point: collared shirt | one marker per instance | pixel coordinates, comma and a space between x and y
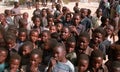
86, 22
103, 68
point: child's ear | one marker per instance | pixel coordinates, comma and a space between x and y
64, 53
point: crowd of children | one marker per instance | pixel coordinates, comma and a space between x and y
58, 40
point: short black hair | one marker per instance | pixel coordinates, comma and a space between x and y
22, 30
71, 39
38, 52
100, 30
33, 30
83, 57
28, 43
4, 49
15, 56
46, 31
35, 17
97, 53
84, 34
10, 36
60, 45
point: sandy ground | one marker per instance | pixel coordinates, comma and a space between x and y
93, 6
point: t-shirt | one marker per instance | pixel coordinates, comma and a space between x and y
2, 67
62, 67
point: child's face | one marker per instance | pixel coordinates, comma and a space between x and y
59, 27
59, 54
3, 56
45, 37
65, 33
109, 30
71, 47
76, 20
44, 12
10, 43
82, 65
83, 43
97, 62
53, 29
25, 15
37, 6
107, 22
34, 36
68, 18
37, 22
22, 36
26, 50
14, 64
50, 21
97, 37
35, 60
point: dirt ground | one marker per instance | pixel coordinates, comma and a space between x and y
92, 5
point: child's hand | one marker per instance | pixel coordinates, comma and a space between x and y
52, 62
73, 28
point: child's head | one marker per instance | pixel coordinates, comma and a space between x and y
50, 20
34, 35
13, 29
10, 40
53, 29
22, 35
37, 21
76, 19
50, 44
77, 3
68, 17
16, 4
37, 6
99, 12
65, 33
35, 58
96, 59
83, 41
26, 48
15, 61
105, 21
84, 12
59, 52
70, 45
55, 36
115, 66
2, 17
83, 62
59, 27
23, 23
44, 12
98, 35
25, 15
109, 29
58, 6
7, 12
45, 35
3, 55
